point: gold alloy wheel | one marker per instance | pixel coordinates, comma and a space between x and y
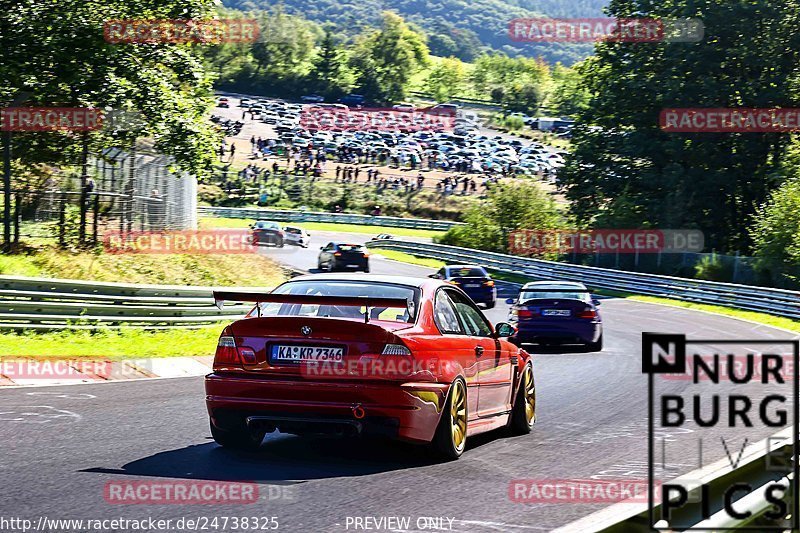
530, 394
458, 415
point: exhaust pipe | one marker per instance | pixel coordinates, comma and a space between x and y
358, 412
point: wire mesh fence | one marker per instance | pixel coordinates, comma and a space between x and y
123, 191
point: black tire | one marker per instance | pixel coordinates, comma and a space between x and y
443, 444
280, 243
239, 439
366, 269
595, 346
523, 414
490, 305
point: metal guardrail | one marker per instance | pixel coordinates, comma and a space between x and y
778, 302
287, 215
754, 468
38, 303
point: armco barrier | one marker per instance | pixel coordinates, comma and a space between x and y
630, 517
773, 301
286, 215
37, 303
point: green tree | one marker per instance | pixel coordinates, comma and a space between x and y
386, 59
497, 70
285, 45
446, 79
776, 230
56, 52
709, 181
330, 75
509, 206
567, 95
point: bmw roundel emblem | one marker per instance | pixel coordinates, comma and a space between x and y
305, 330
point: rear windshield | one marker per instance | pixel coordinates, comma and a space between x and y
268, 225
351, 248
343, 288
294, 231
542, 294
468, 272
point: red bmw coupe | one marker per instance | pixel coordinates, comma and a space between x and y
408, 358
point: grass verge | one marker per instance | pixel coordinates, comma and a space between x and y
110, 344
168, 269
210, 222
408, 258
172, 269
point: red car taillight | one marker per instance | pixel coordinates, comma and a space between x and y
226, 354
489, 283
524, 313
588, 314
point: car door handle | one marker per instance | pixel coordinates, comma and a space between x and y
479, 351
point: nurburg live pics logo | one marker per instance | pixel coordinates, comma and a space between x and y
744, 399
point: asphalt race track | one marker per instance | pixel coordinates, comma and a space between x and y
62, 444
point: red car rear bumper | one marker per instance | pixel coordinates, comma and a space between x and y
408, 411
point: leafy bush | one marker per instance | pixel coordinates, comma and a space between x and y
508, 207
712, 268
514, 123
776, 228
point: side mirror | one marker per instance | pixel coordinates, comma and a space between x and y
510, 301
321, 247
434, 276
595, 301
504, 329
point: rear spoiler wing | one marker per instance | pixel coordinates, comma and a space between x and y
354, 301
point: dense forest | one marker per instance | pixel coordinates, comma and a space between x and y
452, 27
385, 63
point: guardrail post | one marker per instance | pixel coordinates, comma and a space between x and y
62, 219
